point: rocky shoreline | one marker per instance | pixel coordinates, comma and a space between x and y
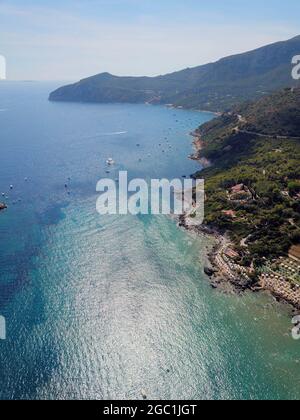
199, 145
229, 281
219, 278
222, 272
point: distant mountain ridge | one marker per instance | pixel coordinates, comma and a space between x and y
214, 86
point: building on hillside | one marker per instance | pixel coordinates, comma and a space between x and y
229, 213
238, 188
230, 253
240, 193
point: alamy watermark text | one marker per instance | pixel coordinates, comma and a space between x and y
156, 197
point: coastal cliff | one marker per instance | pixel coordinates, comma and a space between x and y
253, 194
214, 86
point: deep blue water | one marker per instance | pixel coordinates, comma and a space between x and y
117, 306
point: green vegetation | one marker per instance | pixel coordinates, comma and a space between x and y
215, 86
268, 211
256, 145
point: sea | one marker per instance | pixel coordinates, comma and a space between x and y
118, 307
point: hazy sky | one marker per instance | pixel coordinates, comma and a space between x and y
72, 39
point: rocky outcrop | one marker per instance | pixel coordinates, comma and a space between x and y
243, 77
3, 206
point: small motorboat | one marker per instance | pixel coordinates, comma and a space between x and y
110, 162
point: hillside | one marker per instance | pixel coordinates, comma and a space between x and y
253, 185
278, 114
216, 86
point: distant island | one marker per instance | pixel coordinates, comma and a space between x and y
214, 87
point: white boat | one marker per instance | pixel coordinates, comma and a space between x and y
110, 161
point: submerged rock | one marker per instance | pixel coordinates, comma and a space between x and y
3, 206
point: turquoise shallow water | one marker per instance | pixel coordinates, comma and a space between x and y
110, 307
